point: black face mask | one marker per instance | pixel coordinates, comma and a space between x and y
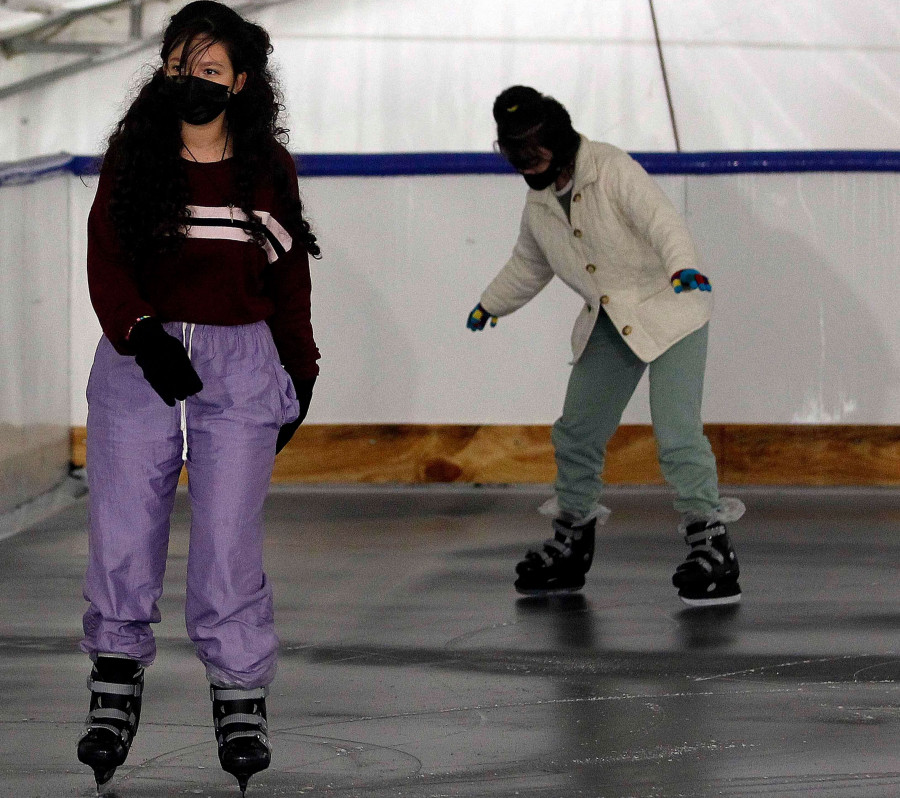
541, 180
558, 163
195, 100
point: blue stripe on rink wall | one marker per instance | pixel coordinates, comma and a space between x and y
656, 163
482, 163
401, 163
34, 169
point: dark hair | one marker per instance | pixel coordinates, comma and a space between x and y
527, 120
148, 203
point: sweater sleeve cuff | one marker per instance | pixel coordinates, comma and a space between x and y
302, 371
137, 321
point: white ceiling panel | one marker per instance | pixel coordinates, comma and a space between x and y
783, 99
14, 22
576, 20
820, 23
418, 75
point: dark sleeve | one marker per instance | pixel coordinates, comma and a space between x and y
111, 281
289, 286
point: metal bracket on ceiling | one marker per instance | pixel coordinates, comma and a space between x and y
40, 40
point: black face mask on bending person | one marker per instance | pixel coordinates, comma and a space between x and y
558, 164
195, 100
541, 180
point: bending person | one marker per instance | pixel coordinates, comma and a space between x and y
595, 219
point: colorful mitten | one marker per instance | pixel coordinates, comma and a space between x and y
688, 280
478, 319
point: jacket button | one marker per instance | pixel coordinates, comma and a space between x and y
626, 330
604, 300
576, 198
591, 268
577, 233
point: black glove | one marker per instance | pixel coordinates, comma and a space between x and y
164, 361
304, 389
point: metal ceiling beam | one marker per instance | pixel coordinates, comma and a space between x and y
52, 75
82, 48
136, 21
110, 54
56, 22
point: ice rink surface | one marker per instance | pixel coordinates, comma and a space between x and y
409, 667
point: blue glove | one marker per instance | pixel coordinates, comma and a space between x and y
688, 280
478, 319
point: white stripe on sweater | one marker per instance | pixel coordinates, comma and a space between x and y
228, 233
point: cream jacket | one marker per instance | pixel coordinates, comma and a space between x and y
623, 243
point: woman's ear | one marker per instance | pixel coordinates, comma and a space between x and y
239, 82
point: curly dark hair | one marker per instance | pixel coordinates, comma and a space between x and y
148, 203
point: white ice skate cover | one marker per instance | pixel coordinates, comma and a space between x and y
550, 508
729, 509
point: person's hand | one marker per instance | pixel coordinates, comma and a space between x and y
688, 280
478, 319
164, 361
304, 389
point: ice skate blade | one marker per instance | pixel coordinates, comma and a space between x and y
720, 601
244, 764
243, 779
553, 591
103, 778
244, 774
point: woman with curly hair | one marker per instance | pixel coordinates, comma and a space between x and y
199, 274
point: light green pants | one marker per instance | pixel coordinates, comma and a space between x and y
600, 386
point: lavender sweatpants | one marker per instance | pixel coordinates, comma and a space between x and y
134, 456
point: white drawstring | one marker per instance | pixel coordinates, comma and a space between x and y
187, 340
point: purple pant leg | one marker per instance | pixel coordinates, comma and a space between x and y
232, 426
133, 462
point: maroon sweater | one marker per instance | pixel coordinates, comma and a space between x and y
218, 276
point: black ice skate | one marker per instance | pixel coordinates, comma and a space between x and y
241, 731
709, 574
560, 564
116, 685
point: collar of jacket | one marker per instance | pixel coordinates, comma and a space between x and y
585, 173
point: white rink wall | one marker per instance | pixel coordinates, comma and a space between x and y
35, 249
804, 270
